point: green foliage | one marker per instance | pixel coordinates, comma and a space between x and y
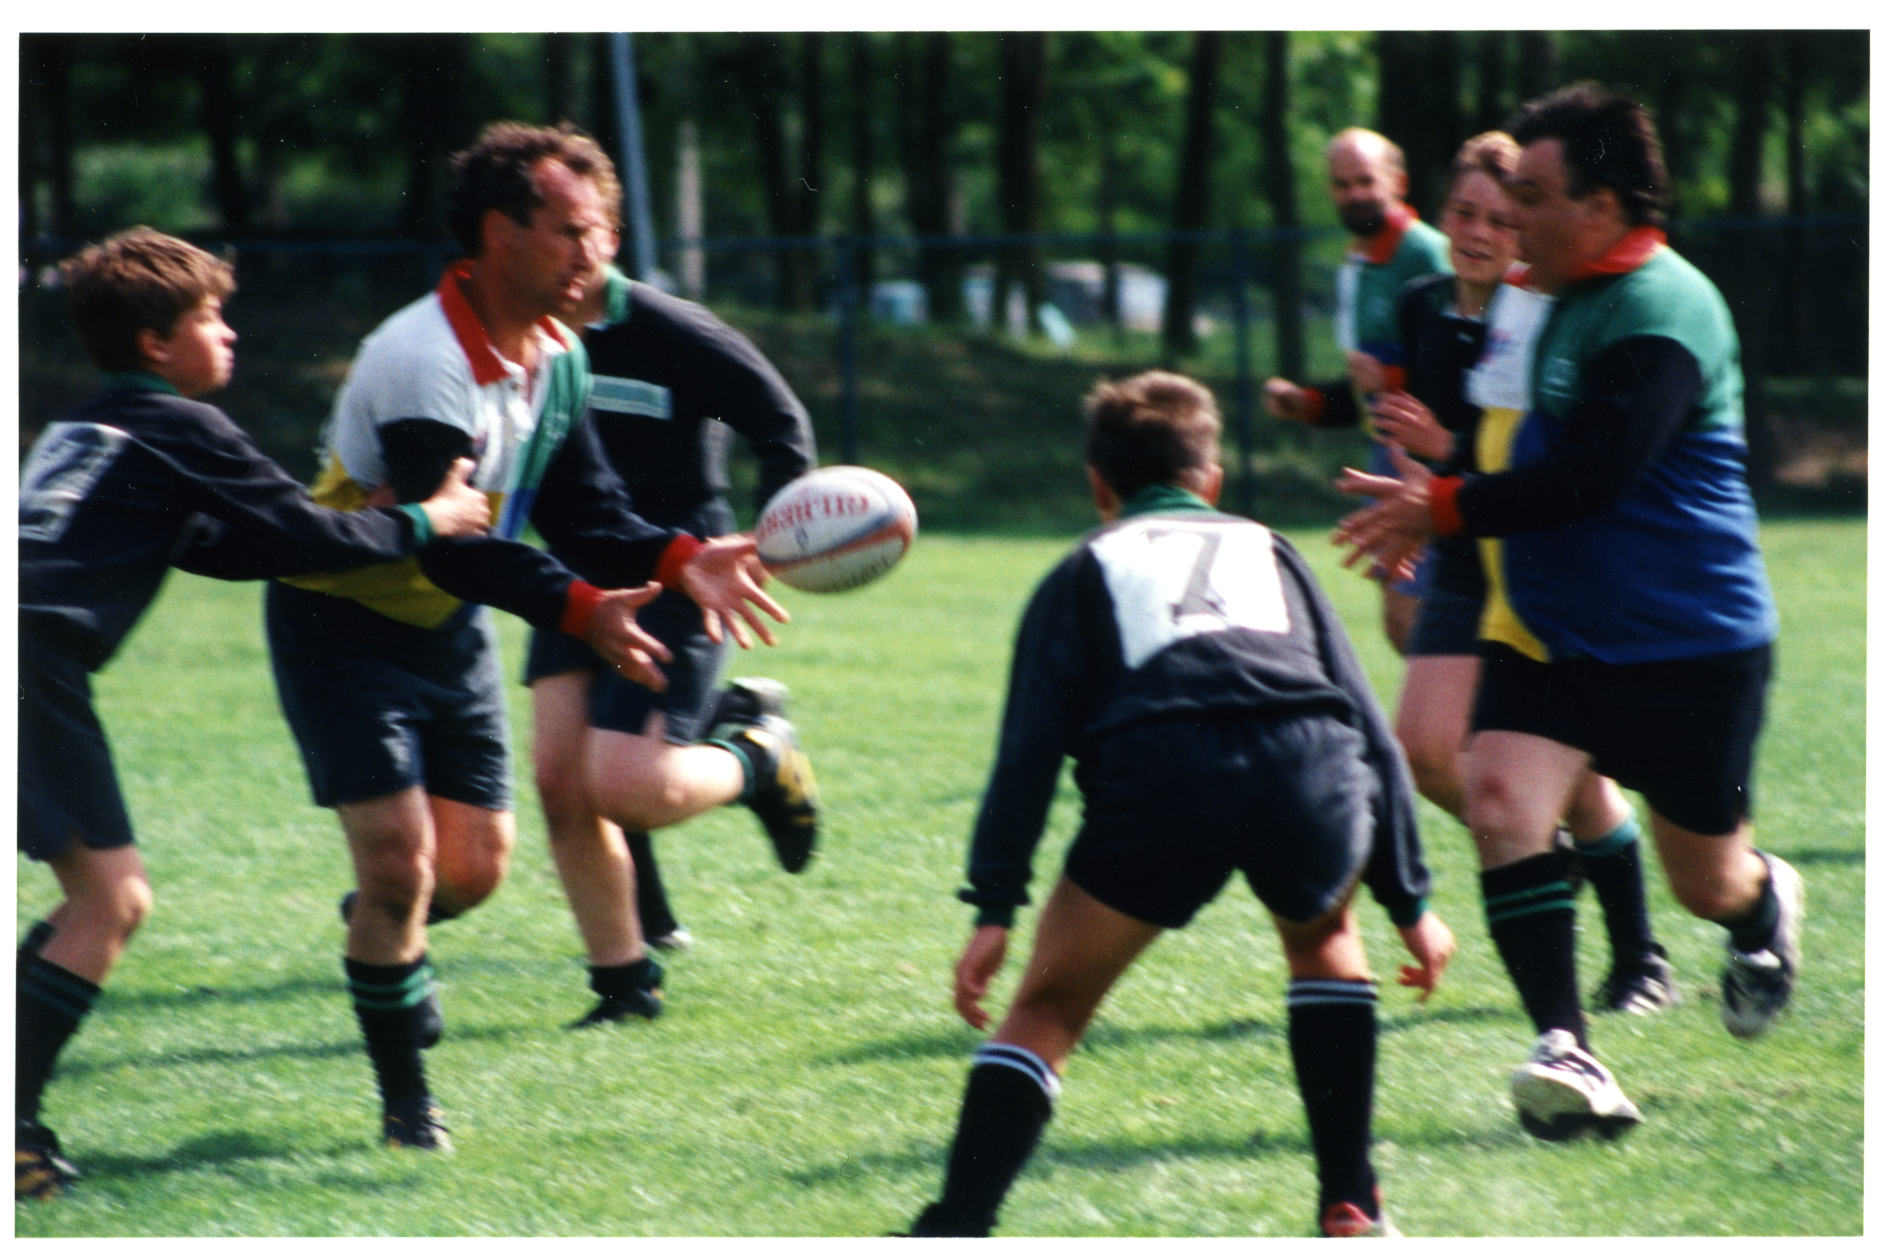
805, 1077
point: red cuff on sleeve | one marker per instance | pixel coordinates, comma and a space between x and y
1447, 519
582, 598
1315, 403
683, 549
1395, 378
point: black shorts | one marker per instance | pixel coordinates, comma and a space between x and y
618, 704
1682, 733
1172, 809
68, 788
379, 706
1447, 621
692, 677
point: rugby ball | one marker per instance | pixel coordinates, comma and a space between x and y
835, 528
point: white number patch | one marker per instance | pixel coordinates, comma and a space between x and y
1170, 580
66, 462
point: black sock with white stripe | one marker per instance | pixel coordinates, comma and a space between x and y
49, 1003
1531, 908
1010, 1096
1332, 1032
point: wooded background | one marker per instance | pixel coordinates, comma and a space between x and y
792, 172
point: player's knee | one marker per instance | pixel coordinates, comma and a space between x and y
1435, 772
129, 904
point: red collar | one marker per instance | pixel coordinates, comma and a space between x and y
1379, 249
1638, 246
487, 363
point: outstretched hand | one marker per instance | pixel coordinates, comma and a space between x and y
727, 581
1398, 523
614, 634
981, 960
1430, 941
1402, 419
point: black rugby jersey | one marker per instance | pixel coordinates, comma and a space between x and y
672, 385
138, 480
1176, 610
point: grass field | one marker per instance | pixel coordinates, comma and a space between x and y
806, 1074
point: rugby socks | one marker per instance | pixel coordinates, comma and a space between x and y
1010, 1095
752, 759
390, 1005
49, 1004
1613, 864
1332, 1032
625, 983
649, 893
1756, 929
1530, 907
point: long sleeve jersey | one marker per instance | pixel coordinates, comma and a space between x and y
1616, 495
140, 479
427, 387
673, 384
1177, 611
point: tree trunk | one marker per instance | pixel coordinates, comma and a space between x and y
924, 112
764, 72
1289, 317
1751, 297
1107, 196
1795, 51
219, 114
1024, 66
863, 165
1193, 196
805, 195
561, 97
1536, 64
435, 69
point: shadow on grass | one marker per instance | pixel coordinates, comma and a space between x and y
204, 993
198, 1057
220, 1150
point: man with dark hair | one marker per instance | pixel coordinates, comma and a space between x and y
111, 498
1219, 721
388, 676
1367, 180
1631, 623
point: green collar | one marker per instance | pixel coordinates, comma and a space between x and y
618, 285
142, 380
1164, 498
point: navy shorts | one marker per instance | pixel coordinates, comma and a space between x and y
68, 789
1682, 733
618, 704
1172, 809
1448, 617
379, 706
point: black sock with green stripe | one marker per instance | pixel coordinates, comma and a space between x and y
1613, 864
1530, 907
49, 1004
389, 1006
1332, 1032
752, 758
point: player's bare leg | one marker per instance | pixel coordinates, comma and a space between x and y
589, 856
647, 782
1518, 786
392, 844
1397, 611
107, 898
1082, 946
1432, 720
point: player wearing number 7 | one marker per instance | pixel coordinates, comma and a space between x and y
1219, 721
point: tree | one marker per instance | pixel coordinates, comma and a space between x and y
1024, 71
927, 125
1282, 193
1193, 196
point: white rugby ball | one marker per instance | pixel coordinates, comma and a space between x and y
835, 528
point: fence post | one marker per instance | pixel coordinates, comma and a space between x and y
1243, 370
845, 284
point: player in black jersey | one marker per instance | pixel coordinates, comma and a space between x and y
1219, 721
1421, 405
137, 480
613, 760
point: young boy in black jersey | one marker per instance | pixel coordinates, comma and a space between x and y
1219, 721
111, 497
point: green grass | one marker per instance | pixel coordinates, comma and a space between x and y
805, 1077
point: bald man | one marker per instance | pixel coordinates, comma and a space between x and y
1365, 175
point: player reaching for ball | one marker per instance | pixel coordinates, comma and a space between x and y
111, 498
389, 676
1219, 721
615, 760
